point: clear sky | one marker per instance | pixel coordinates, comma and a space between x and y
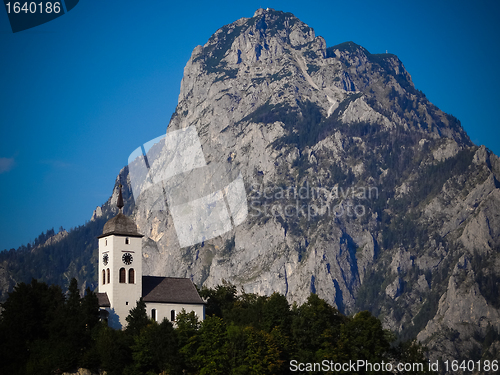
80, 93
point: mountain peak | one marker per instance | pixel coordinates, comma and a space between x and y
274, 59
261, 11
267, 34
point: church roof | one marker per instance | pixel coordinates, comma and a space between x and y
169, 290
103, 300
121, 225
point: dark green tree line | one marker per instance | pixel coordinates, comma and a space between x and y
44, 331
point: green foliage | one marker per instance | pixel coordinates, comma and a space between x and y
137, 318
42, 332
155, 349
253, 351
220, 300
246, 309
112, 347
310, 321
412, 351
211, 355
276, 313
362, 338
187, 339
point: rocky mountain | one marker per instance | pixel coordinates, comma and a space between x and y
358, 188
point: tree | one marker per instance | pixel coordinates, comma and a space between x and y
187, 339
90, 310
310, 321
220, 299
113, 349
411, 351
262, 355
137, 319
41, 331
155, 349
211, 355
25, 326
276, 313
363, 338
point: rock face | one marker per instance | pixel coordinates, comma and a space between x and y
390, 206
358, 188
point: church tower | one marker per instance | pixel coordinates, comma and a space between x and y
120, 267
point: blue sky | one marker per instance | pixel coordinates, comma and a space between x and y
80, 93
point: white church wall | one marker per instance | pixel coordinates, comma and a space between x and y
164, 310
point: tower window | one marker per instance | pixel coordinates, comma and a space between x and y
126, 241
106, 242
122, 275
172, 315
109, 278
103, 277
131, 276
153, 314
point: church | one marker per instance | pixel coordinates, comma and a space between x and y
122, 284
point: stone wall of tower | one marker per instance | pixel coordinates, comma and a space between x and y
123, 296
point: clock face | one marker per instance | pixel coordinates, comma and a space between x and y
127, 258
105, 259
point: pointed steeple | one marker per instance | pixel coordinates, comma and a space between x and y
120, 224
119, 202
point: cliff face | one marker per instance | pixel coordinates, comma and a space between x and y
357, 187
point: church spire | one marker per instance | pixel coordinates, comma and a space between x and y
119, 202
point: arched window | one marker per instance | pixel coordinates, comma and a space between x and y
122, 275
109, 278
153, 314
126, 241
103, 277
172, 315
131, 276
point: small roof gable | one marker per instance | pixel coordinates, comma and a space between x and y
169, 290
103, 300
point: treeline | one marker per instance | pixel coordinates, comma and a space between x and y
53, 262
42, 331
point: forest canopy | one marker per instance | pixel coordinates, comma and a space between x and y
46, 331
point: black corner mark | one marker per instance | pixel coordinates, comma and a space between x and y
27, 14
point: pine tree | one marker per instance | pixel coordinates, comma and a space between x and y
137, 319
